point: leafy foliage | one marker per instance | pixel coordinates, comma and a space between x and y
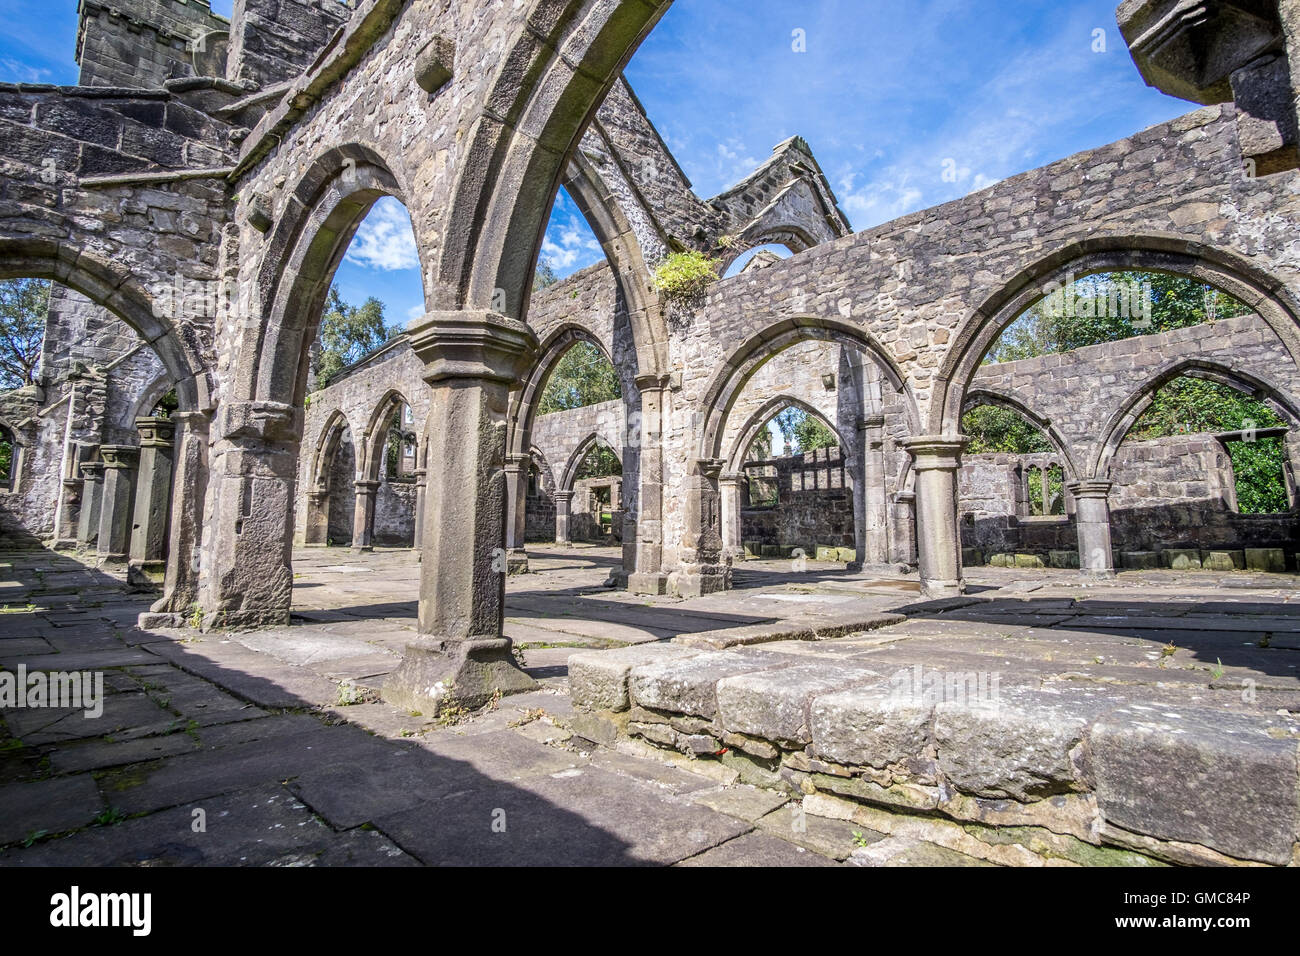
683, 276
6, 457
1259, 467
1055, 491
582, 377
1188, 405
1109, 307
349, 333
994, 429
544, 275
599, 462
23, 303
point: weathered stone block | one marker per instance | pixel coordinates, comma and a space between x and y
1223, 560
869, 727
688, 685
970, 557
1265, 559
1200, 776
827, 554
1028, 561
773, 705
1141, 560
1182, 560
1063, 559
847, 555
598, 679
434, 64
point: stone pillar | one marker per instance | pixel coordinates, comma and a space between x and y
317, 532
873, 539
517, 467
733, 501
92, 497
649, 576
115, 507
189, 492
247, 561
935, 460
152, 501
705, 568
363, 516
65, 535
903, 544
421, 483
461, 656
1092, 525
563, 502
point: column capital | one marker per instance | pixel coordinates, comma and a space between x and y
477, 345
708, 467
733, 477
935, 451
155, 432
92, 470
119, 457
1090, 488
871, 421
565, 496
365, 486
651, 383
518, 463
252, 423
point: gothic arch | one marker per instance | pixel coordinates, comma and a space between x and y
374, 437
986, 396
756, 421
304, 251
737, 370
1122, 419
523, 408
109, 285
570, 473
1266, 295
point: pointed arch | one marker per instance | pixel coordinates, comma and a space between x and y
570, 473
756, 422
375, 437
1117, 428
1267, 296
986, 396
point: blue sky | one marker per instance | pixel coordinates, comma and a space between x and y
906, 103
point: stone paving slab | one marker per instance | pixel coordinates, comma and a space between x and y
758, 849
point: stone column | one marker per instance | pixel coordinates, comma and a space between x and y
517, 467
317, 532
65, 535
936, 459
247, 561
873, 547
92, 497
115, 507
152, 501
363, 516
421, 484
461, 656
733, 501
1092, 525
189, 491
563, 502
903, 544
649, 576
705, 568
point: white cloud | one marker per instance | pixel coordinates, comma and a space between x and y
568, 243
15, 72
385, 240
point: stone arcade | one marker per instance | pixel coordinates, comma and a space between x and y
192, 197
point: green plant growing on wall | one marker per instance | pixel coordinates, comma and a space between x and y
683, 276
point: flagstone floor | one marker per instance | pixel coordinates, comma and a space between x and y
272, 747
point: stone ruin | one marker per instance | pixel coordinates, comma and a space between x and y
192, 196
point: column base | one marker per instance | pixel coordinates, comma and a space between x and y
64, 544
517, 562
689, 584
1089, 575
437, 673
146, 574
111, 560
363, 548
654, 582
943, 589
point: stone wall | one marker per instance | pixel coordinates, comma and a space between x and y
814, 507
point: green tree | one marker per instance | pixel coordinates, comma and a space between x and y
582, 376
544, 275
1108, 307
23, 304
1188, 405
599, 462
994, 429
348, 334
